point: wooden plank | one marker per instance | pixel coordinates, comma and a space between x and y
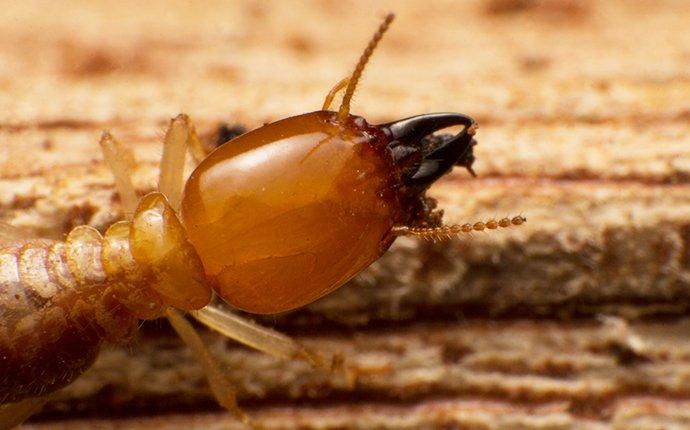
575, 320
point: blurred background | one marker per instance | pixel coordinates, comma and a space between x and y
577, 320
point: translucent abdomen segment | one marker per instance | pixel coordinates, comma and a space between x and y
54, 310
58, 300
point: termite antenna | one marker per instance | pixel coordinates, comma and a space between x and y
344, 110
446, 231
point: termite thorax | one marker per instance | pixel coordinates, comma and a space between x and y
150, 263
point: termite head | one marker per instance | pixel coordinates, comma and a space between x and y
314, 197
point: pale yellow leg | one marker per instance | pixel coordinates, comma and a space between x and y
13, 414
253, 335
266, 340
180, 137
195, 147
219, 383
121, 163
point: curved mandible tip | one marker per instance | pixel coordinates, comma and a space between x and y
412, 130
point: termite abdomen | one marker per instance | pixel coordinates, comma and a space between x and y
52, 319
58, 300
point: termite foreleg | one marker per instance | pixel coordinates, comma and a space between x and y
121, 164
219, 383
180, 137
266, 340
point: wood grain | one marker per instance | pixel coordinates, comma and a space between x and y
576, 320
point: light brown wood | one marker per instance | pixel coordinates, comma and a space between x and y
578, 319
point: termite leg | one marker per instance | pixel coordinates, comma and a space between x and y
195, 146
268, 341
13, 414
446, 231
179, 137
121, 163
219, 383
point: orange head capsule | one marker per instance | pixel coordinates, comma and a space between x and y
290, 211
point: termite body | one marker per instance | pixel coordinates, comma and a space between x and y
270, 221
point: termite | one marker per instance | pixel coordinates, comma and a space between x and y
270, 221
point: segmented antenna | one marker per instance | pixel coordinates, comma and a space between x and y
447, 231
344, 110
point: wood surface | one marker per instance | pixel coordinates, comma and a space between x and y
576, 320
